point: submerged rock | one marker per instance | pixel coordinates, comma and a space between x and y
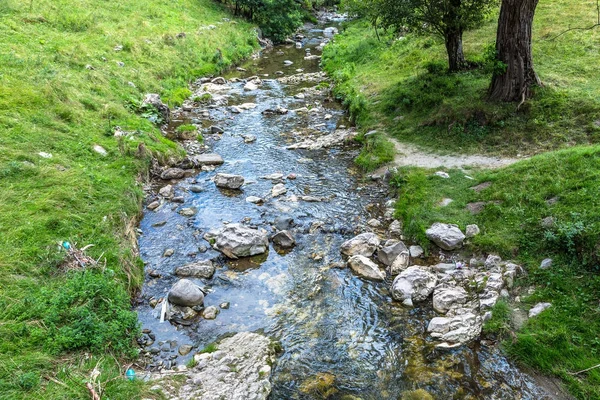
229, 181
200, 269
236, 240
186, 293
364, 244
365, 268
446, 236
413, 285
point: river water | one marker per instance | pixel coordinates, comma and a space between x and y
332, 325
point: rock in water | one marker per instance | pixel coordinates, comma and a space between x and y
172, 173
278, 190
210, 312
229, 181
458, 329
413, 285
186, 293
388, 254
200, 269
207, 159
236, 240
364, 244
446, 236
284, 239
366, 268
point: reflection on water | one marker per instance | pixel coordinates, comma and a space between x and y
342, 336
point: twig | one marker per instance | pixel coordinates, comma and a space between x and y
582, 29
92, 391
584, 370
56, 381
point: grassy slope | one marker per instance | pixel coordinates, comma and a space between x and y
50, 102
400, 86
565, 338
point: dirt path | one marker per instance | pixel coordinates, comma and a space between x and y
411, 155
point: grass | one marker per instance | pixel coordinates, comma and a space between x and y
401, 86
71, 72
561, 187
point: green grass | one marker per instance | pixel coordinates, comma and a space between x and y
564, 338
401, 86
62, 91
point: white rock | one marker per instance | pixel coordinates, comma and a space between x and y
446, 236
388, 254
365, 268
100, 150
250, 86
442, 174
364, 244
199, 269
538, 308
278, 190
472, 231
458, 329
415, 251
254, 199
546, 263
413, 285
236, 240
44, 154
446, 297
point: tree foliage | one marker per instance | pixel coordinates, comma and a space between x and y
446, 18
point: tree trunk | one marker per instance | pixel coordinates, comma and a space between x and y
454, 48
513, 46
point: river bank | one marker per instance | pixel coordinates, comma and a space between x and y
75, 142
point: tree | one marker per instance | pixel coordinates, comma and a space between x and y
447, 18
513, 49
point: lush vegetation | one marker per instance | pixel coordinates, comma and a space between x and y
543, 207
277, 19
71, 72
400, 86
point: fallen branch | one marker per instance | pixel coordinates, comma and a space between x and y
93, 393
584, 370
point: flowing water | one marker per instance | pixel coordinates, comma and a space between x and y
332, 325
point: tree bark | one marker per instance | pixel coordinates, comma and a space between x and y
454, 48
513, 47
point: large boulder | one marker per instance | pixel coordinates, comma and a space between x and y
236, 240
446, 236
446, 297
413, 285
200, 269
229, 181
364, 244
186, 293
458, 329
388, 254
365, 268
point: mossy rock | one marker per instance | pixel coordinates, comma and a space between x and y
321, 386
419, 394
